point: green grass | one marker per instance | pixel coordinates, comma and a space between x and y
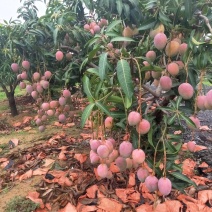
18, 92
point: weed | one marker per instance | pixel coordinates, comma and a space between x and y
20, 204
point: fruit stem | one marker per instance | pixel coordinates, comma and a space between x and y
140, 89
186, 65
199, 90
139, 99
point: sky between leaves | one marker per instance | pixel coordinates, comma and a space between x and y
8, 9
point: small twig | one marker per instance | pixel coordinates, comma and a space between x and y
150, 91
93, 65
206, 22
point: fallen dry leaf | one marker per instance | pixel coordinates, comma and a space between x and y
86, 208
3, 160
81, 157
113, 168
70, 124
109, 205
26, 175
131, 181
204, 196
169, 206
69, 208
203, 165
128, 195
15, 141
40, 171
145, 208
200, 180
197, 147
34, 196
188, 167
64, 181
204, 128
48, 162
27, 119
92, 191
85, 135
62, 155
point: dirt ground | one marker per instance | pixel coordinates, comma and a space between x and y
28, 136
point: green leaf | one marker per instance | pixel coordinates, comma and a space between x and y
102, 107
86, 113
119, 6
150, 133
182, 177
93, 53
117, 114
188, 9
102, 65
55, 33
112, 25
187, 120
93, 71
152, 68
127, 102
115, 99
122, 39
135, 3
125, 78
147, 25
196, 42
178, 101
172, 119
86, 86
163, 17
97, 89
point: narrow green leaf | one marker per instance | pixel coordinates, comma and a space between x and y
163, 17
55, 35
135, 3
102, 107
93, 53
112, 25
178, 101
97, 89
150, 137
125, 78
116, 114
86, 86
119, 6
152, 68
102, 65
172, 119
196, 42
147, 25
188, 9
86, 113
115, 99
182, 177
122, 39
188, 121
93, 71
127, 102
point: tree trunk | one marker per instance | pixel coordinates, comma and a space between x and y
12, 104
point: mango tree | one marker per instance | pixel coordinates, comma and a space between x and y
148, 80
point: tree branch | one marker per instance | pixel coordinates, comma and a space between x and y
206, 21
4, 88
69, 48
